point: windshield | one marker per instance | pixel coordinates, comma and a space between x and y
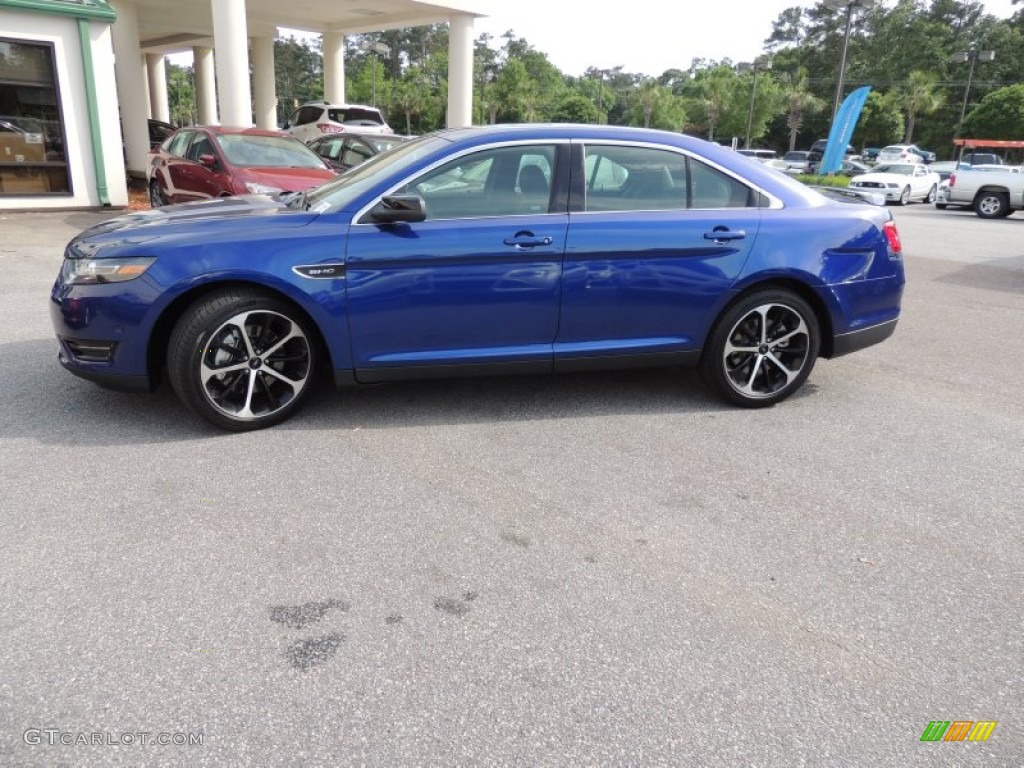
268, 152
900, 170
341, 192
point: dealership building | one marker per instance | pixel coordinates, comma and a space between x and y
79, 79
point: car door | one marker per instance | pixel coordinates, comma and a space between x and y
655, 241
475, 285
175, 164
197, 181
922, 180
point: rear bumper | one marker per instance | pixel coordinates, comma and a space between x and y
845, 343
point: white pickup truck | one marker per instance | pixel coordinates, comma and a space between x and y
993, 192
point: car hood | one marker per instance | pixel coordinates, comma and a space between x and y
289, 179
199, 219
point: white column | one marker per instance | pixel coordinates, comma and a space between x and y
145, 85
460, 71
131, 85
334, 67
232, 58
264, 81
206, 89
158, 87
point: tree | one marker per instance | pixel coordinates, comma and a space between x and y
409, 96
881, 121
798, 102
918, 96
515, 93
716, 89
576, 109
1000, 115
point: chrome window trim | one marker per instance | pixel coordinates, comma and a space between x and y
448, 158
773, 202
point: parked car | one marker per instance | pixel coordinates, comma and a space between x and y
689, 255
853, 168
981, 158
817, 154
159, 131
870, 154
905, 153
945, 167
901, 182
349, 150
214, 161
318, 118
797, 160
993, 191
759, 154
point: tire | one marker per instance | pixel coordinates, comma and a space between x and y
932, 193
991, 205
940, 206
762, 348
218, 364
905, 196
156, 195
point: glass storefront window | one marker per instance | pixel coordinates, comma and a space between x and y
32, 154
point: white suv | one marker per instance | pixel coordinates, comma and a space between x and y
318, 118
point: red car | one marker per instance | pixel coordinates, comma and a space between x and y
205, 161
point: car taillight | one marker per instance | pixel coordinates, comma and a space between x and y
329, 128
952, 179
892, 235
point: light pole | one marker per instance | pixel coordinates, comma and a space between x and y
760, 63
974, 57
849, 5
367, 47
601, 73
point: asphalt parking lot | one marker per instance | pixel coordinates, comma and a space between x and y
578, 570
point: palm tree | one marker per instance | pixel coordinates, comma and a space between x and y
716, 87
799, 102
649, 95
919, 96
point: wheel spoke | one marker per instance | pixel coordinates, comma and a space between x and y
800, 329
207, 373
292, 334
246, 410
280, 376
749, 386
790, 375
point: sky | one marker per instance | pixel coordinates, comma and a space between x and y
645, 36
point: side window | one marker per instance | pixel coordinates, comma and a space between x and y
634, 179
710, 188
179, 143
331, 148
308, 115
201, 146
356, 152
506, 181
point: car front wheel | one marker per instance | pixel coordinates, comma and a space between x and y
242, 360
991, 205
156, 196
905, 196
762, 349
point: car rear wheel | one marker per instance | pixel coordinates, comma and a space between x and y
762, 349
242, 360
932, 194
940, 206
991, 205
156, 196
905, 196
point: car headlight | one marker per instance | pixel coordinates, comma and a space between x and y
261, 189
99, 271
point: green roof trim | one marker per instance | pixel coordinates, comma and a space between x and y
82, 9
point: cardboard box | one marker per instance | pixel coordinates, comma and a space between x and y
22, 147
23, 181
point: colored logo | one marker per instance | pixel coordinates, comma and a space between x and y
958, 730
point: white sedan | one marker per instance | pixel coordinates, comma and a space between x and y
900, 182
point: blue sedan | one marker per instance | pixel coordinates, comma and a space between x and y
503, 249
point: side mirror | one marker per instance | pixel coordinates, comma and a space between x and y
395, 208
209, 161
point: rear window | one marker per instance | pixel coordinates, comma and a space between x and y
356, 116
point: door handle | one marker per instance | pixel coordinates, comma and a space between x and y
724, 235
527, 240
